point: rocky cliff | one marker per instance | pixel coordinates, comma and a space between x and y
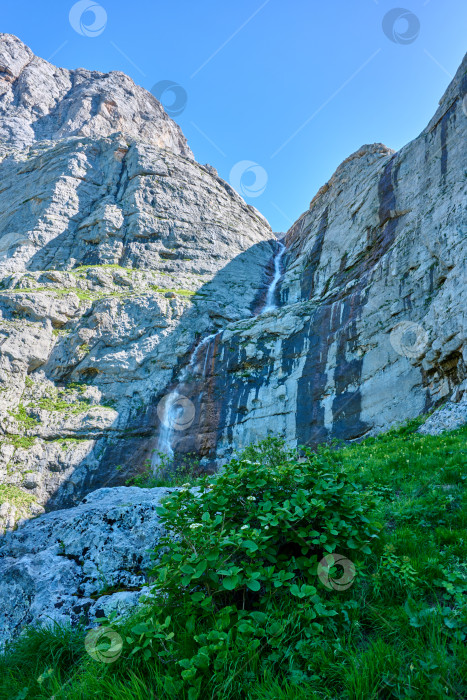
129, 273
117, 251
371, 325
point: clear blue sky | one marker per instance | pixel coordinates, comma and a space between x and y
256, 71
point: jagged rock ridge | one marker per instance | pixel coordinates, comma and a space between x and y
40, 102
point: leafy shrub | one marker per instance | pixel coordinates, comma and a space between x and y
243, 544
394, 574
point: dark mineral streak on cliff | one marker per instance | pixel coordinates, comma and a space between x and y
315, 338
346, 406
307, 280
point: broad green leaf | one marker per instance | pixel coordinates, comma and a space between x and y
253, 585
230, 582
249, 544
187, 569
200, 568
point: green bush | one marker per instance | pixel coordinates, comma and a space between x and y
240, 547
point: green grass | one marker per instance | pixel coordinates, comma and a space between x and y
23, 418
80, 293
55, 404
67, 443
16, 496
22, 441
180, 292
403, 635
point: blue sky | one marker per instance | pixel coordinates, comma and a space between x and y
273, 93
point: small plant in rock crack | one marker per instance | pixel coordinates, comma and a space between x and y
245, 543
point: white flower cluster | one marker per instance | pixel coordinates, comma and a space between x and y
250, 498
193, 526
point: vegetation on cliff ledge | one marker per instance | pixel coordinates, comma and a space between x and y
336, 574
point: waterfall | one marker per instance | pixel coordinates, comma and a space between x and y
176, 411
271, 295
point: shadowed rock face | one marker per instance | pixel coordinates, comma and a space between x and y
372, 324
119, 254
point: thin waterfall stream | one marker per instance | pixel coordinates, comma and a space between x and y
271, 295
176, 411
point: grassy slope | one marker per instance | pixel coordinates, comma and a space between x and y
403, 640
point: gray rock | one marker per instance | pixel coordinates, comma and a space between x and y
449, 417
371, 329
117, 250
79, 564
39, 102
128, 271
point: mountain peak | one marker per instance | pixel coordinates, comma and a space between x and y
39, 101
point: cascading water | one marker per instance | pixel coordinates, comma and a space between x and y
271, 295
176, 411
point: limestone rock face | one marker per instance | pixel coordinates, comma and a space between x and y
371, 326
450, 416
117, 252
129, 274
39, 102
63, 566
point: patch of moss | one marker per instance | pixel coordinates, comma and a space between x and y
21, 441
16, 496
56, 404
67, 443
22, 416
181, 292
84, 268
76, 386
